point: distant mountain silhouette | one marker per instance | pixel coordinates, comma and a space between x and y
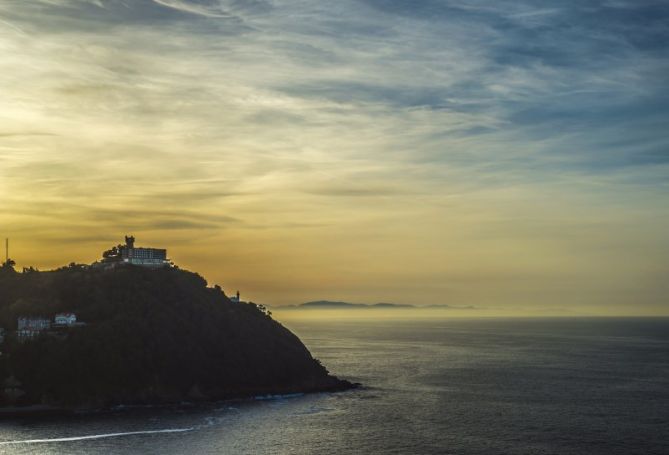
329, 304
392, 305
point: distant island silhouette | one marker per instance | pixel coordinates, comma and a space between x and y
329, 304
92, 336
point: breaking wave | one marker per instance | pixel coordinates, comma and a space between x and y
96, 436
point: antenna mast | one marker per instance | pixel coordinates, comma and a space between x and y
7, 250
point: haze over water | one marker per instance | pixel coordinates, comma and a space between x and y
465, 386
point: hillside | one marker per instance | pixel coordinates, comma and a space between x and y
151, 336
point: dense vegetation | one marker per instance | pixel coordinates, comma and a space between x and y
151, 336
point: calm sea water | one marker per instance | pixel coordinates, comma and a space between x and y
487, 386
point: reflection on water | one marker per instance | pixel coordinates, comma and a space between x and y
516, 386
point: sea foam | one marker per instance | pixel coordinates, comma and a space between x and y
96, 436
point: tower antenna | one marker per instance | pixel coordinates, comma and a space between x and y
7, 250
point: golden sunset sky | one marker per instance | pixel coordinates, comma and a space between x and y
490, 153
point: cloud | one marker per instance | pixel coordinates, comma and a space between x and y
216, 8
204, 8
356, 190
391, 127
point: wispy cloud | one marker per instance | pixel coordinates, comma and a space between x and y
217, 8
397, 125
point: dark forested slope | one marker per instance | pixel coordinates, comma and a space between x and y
151, 335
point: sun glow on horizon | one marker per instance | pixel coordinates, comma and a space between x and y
362, 150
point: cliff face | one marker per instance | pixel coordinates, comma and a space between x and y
150, 336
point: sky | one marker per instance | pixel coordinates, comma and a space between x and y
503, 154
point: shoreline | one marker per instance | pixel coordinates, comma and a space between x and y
43, 410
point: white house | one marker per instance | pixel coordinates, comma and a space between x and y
31, 327
65, 319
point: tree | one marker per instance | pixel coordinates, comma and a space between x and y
264, 310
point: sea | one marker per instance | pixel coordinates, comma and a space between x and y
442, 386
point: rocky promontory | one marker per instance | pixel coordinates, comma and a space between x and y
145, 336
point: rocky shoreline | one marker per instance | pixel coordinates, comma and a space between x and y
43, 410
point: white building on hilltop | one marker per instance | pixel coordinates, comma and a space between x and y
129, 254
